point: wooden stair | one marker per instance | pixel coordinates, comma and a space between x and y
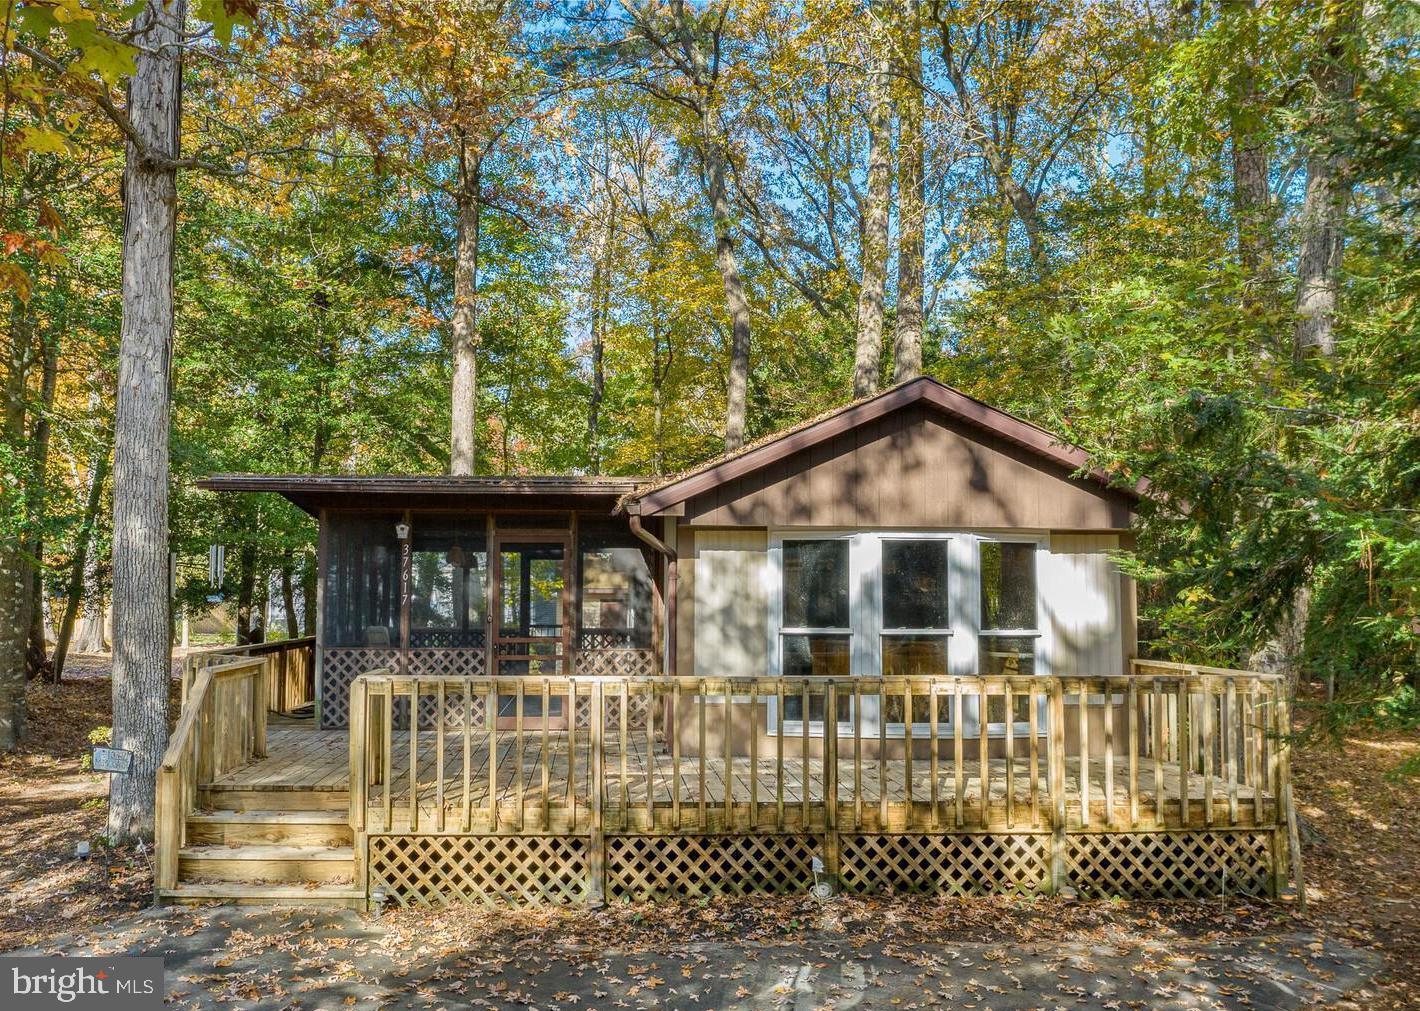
268, 849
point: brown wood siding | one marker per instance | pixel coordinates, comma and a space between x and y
913, 468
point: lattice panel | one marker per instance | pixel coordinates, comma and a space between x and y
339, 666
453, 711
1170, 864
444, 870
635, 663
458, 663
653, 867
447, 638
949, 864
637, 709
611, 638
432, 663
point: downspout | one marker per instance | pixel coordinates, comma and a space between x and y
662, 548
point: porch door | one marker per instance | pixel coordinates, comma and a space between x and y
532, 620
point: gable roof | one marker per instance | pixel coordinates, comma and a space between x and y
949, 401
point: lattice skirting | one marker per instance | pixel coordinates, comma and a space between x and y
948, 864
635, 663
638, 708
1170, 864
443, 870
340, 665
654, 867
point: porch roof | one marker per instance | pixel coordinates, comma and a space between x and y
313, 492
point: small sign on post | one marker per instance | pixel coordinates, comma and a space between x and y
114, 761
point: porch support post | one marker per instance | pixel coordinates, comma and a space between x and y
831, 849
669, 605
406, 559
596, 843
1055, 757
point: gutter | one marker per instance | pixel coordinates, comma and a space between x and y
665, 550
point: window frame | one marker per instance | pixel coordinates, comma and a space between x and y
865, 590
1041, 545
778, 630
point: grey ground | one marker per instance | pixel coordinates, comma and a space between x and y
259, 958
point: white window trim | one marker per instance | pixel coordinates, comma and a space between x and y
865, 612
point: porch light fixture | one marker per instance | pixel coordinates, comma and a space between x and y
401, 531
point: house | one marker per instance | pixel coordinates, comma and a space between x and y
889, 648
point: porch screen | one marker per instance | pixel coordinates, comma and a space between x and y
361, 580
448, 596
614, 587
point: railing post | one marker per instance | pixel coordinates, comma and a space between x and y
168, 821
596, 842
359, 764
261, 693
1055, 758
830, 782
1287, 811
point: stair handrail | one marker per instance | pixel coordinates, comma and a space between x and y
221, 727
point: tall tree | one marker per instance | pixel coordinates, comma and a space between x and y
911, 193
142, 668
687, 49
867, 362
1250, 147
1328, 193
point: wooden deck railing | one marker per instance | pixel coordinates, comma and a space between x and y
292, 677
222, 727
1167, 746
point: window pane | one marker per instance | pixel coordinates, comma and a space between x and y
815, 584
1008, 654
915, 584
615, 593
914, 655
448, 574
813, 656
1007, 585
816, 655
531, 590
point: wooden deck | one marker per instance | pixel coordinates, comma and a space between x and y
308, 760
1169, 781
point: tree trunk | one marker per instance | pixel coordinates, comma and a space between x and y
37, 662
142, 658
246, 594
867, 360
1252, 194
16, 579
288, 594
14, 631
1327, 196
92, 636
601, 310
911, 199
308, 592
463, 437
79, 567
737, 387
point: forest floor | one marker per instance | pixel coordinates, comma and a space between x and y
1358, 946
